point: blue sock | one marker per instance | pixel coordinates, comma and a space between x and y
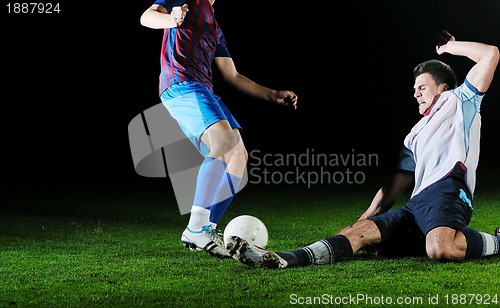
209, 177
227, 189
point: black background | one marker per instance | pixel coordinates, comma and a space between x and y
73, 81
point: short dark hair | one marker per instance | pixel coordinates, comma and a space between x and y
440, 72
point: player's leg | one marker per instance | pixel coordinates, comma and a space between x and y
337, 248
444, 212
236, 158
221, 141
230, 182
444, 243
407, 240
199, 115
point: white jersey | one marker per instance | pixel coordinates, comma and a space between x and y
447, 136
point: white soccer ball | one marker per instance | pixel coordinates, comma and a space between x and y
249, 228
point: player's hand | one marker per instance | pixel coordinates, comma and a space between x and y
179, 13
287, 98
443, 38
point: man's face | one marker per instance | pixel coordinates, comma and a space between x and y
427, 92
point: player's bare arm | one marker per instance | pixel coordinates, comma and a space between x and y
157, 17
247, 86
486, 58
385, 198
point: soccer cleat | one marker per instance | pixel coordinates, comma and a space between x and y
497, 231
253, 255
207, 240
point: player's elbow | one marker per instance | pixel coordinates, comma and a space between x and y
149, 17
144, 19
493, 54
496, 54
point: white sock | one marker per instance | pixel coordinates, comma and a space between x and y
321, 252
199, 218
491, 244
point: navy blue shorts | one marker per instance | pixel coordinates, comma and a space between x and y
446, 203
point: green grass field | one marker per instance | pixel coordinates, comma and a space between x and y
120, 247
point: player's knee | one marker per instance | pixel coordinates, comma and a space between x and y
435, 254
441, 245
440, 251
224, 150
362, 233
241, 154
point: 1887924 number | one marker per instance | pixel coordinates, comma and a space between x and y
33, 8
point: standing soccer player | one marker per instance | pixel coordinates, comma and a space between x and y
192, 43
439, 156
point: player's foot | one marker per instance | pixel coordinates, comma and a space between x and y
207, 240
497, 231
252, 255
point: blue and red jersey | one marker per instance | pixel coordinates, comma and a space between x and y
187, 51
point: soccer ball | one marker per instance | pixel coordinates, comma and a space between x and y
249, 228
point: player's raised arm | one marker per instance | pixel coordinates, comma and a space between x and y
157, 17
486, 58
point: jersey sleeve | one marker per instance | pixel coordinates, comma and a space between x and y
169, 4
470, 97
221, 49
406, 161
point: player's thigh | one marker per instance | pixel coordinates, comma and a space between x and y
407, 239
445, 204
389, 223
194, 106
199, 112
